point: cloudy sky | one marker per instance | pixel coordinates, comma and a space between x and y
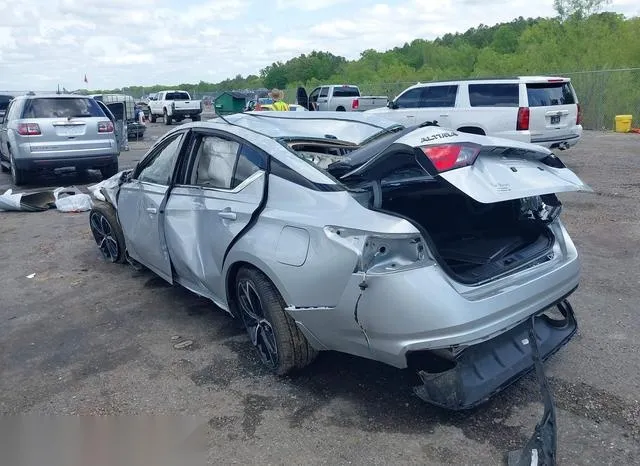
144, 42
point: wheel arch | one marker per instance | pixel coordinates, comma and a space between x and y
232, 273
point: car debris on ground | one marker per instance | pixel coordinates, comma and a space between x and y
62, 199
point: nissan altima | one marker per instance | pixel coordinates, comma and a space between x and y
419, 247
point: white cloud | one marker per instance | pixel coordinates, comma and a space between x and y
307, 5
144, 42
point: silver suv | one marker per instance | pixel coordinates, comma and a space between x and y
56, 131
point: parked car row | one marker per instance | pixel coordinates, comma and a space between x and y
413, 245
538, 109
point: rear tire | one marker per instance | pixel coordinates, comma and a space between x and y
281, 345
196, 118
107, 232
152, 118
340, 109
109, 170
18, 177
167, 118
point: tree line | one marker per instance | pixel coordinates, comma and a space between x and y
579, 38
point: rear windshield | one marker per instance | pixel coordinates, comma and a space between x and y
494, 95
549, 94
346, 91
177, 96
61, 108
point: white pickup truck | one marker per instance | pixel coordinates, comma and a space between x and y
174, 105
341, 98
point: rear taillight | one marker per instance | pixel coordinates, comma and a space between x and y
523, 119
579, 117
355, 104
450, 156
105, 127
29, 129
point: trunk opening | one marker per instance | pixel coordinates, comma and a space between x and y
473, 242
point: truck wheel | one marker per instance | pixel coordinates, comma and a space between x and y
196, 118
340, 109
18, 177
280, 344
167, 118
152, 117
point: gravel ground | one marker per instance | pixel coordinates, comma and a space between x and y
86, 337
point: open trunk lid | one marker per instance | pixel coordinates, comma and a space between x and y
486, 169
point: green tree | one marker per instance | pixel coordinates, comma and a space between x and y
579, 8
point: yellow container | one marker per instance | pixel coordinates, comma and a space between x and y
623, 123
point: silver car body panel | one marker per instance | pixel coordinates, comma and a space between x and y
288, 236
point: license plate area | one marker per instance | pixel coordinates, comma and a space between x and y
70, 130
555, 119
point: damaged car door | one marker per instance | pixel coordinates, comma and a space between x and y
141, 205
213, 204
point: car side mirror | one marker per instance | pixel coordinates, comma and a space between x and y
392, 105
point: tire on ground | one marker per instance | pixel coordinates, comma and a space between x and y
109, 170
109, 212
294, 351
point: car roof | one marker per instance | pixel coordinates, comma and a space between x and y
354, 127
55, 96
510, 79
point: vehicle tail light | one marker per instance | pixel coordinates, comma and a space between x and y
355, 104
523, 119
105, 127
450, 156
579, 117
29, 129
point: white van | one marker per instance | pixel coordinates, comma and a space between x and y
537, 109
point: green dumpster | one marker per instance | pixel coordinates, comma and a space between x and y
230, 102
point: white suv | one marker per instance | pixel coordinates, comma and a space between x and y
537, 109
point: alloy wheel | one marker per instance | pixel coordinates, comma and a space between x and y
259, 328
104, 236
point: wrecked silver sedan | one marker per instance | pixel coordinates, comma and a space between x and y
418, 247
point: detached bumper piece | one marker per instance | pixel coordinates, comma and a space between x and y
484, 369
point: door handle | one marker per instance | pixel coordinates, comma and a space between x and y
227, 214
152, 210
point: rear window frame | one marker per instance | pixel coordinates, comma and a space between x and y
91, 104
167, 94
338, 93
551, 85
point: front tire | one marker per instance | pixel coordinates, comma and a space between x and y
281, 345
167, 118
107, 232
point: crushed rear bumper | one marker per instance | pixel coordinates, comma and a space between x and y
484, 369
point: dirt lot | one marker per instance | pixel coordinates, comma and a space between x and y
86, 337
